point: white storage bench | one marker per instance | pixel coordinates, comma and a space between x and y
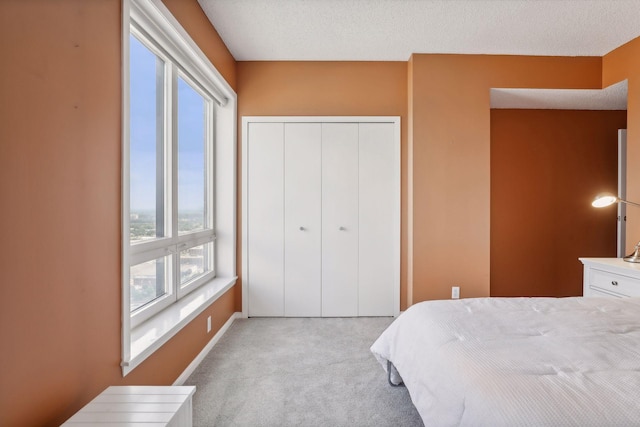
149, 406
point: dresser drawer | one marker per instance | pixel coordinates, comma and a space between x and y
614, 283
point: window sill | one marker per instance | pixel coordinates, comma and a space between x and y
150, 335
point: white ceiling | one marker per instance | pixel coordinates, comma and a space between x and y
391, 30
613, 97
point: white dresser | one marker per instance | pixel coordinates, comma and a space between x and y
148, 406
610, 277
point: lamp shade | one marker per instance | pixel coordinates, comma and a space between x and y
603, 200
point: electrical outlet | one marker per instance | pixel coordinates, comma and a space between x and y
455, 292
208, 324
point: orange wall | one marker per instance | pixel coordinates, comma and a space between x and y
546, 167
620, 64
60, 266
330, 89
450, 148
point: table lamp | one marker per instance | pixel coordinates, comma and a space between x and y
603, 200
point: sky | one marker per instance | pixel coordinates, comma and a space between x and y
143, 133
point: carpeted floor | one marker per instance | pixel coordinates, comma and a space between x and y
298, 372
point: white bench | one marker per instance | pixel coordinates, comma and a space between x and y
130, 406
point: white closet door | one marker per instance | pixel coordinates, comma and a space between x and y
339, 219
265, 238
378, 209
302, 224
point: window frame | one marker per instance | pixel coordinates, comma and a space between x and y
174, 242
149, 328
141, 252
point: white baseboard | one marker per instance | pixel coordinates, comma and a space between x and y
207, 348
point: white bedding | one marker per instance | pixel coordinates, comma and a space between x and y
519, 361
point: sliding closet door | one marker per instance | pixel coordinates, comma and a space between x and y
339, 219
379, 180
302, 224
265, 216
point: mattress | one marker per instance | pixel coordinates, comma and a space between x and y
519, 361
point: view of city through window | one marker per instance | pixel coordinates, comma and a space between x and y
148, 280
142, 224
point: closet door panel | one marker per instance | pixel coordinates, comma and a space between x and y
339, 219
302, 210
265, 212
377, 218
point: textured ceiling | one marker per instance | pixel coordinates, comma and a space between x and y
391, 30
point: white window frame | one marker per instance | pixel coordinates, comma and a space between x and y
173, 243
145, 330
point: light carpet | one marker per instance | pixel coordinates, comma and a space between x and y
298, 372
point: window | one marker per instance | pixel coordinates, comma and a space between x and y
170, 180
179, 154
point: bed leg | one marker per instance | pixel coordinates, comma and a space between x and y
389, 366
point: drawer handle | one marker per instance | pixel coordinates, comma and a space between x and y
614, 283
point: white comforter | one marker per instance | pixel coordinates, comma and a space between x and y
519, 361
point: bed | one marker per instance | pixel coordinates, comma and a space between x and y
518, 361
